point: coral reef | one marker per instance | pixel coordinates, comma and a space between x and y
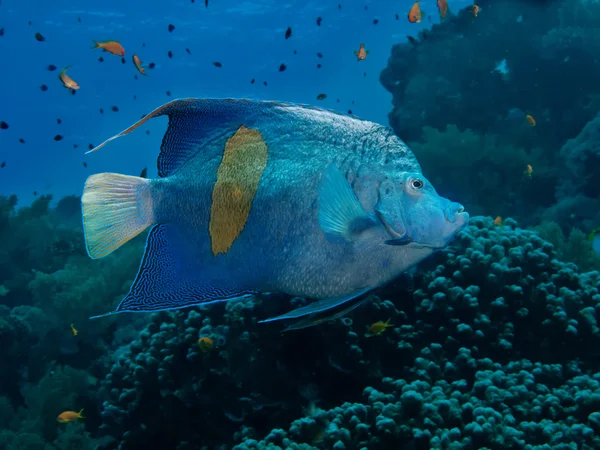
468, 82
483, 353
494, 181
48, 283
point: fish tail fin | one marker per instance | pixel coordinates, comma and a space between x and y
80, 414
96, 44
116, 208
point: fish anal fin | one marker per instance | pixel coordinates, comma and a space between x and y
169, 278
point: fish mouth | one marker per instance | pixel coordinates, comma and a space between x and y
454, 211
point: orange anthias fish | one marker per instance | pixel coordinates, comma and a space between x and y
205, 344
529, 170
67, 81
113, 47
69, 416
361, 53
415, 15
530, 120
138, 64
379, 327
498, 221
476, 10
74, 330
442, 7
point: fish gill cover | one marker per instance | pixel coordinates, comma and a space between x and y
488, 343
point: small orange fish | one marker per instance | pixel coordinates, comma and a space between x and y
379, 327
415, 15
530, 120
498, 221
529, 170
138, 64
361, 53
69, 416
205, 344
476, 10
113, 47
74, 330
442, 7
67, 81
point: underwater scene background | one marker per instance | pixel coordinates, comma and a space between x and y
489, 343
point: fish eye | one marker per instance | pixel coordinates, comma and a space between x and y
417, 184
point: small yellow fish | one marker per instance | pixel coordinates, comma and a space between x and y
205, 344
498, 221
113, 47
137, 62
69, 416
361, 53
530, 120
74, 330
379, 327
67, 81
415, 15
528, 171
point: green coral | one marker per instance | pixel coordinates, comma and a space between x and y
576, 248
35, 426
63, 389
479, 171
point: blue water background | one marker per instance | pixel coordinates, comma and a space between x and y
247, 37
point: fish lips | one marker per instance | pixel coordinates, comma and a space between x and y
454, 214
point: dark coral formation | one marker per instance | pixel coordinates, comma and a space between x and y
48, 282
492, 344
465, 115
486, 352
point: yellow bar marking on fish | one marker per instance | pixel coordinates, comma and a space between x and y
244, 160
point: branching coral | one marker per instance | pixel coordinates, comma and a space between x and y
483, 353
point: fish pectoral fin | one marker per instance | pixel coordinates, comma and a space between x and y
316, 318
355, 52
169, 277
341, 216
318, 306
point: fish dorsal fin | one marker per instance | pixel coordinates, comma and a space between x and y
199, 127
193, 122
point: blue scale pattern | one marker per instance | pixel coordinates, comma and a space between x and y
162, 283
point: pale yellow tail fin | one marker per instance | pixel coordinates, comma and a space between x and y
116, 208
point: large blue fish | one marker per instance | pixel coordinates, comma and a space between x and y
257, 196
